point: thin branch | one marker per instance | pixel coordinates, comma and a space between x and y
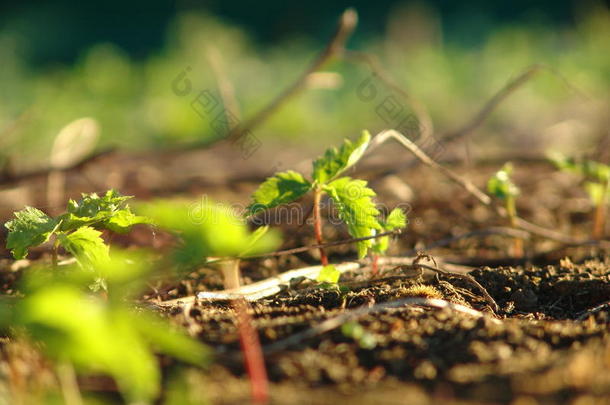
321, 245
425, 122
585, 314
466, 277
427, 160
225, 87
337, 321
514, 84
346, 25
480, 195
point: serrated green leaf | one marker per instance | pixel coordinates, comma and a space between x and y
500, 184
31, 227
109, 211
92, 209
282, 188
396, 220
329, 274
90, 205
86, 245
122, 220
356, 208
336, 161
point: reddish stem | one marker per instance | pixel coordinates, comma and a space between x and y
253, 353
317, 226
375, 264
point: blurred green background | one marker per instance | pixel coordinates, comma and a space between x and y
116, 63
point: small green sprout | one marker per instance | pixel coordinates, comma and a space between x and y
76, 231
597, 186
352, 197
329, 274
210, 232
358, 333
99, 335
502, 187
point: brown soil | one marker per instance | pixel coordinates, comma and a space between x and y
548, 343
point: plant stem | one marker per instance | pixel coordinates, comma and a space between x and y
512, 217
599, 219
253, 353
230, 273
54, 259
69, 384
317, 226
375, 264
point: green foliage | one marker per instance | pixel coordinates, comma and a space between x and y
31, 227
282, 188
109, 211
329, 274
86, 245
336, 161
598, 193
597, 175
353, 198
396, 220
501, 185
208, 229
356, 208
589, 169
75, 231
97, 335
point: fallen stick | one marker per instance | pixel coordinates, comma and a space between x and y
272, 285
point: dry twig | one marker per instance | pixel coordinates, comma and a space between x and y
480, 195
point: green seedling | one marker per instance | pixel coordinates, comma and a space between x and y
352, 198
328, 279
358, 333
210, 232
501, 186
597, 186
96, 335
77, 231
329, 275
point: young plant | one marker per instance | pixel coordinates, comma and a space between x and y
210, 232
502, 187
597, 186
76, 231
353, 198
99, 335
